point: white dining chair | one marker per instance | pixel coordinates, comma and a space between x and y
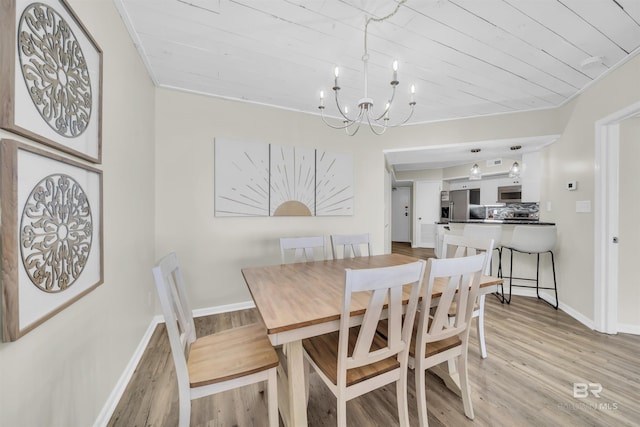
350, 245
355, 360
435, 340
302, 249
456, 246
213, 363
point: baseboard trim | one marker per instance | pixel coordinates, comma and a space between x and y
207, 311
589, 323
628, 329
110, 405
116, 394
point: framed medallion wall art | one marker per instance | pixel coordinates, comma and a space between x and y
52, 238
51, 85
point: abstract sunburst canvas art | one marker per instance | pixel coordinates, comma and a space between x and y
260, 179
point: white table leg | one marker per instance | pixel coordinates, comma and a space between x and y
450, 376
294, 380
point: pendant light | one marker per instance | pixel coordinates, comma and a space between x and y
474, 173
515, 170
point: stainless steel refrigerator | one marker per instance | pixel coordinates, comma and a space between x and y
460, 201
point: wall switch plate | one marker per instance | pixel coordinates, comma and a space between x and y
572, 185
583, 206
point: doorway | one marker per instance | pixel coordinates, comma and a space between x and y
401, 214
607, 219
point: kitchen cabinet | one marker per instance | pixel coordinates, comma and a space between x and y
488, 191
506, 181
464, 185
531, 177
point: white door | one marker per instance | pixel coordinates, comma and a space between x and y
612, 225
387, 212
401, 214
426, 196
628, 318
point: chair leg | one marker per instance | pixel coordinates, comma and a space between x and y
465, 388
184, 405
272, 396
555, 285
421, 396
480, 325
341, 412
401, 397
508, 301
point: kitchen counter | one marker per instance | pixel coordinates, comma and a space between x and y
500, 221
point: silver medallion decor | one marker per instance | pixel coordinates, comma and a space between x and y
51, 85
54, 70
51, 234
55, 233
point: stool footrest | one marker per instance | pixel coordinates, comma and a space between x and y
537, 287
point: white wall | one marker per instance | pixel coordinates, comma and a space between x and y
62, 372
214, 249
572, 158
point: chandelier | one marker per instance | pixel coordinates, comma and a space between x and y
378, 122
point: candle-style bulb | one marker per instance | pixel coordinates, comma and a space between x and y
336, 72
322, 98
394, 80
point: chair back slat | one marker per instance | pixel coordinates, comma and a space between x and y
304, 248
351, 245
385, 286
462, 277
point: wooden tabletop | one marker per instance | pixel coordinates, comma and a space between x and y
292, 296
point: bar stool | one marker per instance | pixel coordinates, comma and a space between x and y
487, 232
533, 239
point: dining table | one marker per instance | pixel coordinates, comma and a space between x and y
303, 300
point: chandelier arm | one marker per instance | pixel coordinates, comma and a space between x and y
357, 128
373, 129
357, 122
388, 107
344, 126
342, 113
402, 122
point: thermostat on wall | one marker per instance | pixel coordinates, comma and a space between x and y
572, 185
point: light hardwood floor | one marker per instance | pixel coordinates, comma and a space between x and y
536, 354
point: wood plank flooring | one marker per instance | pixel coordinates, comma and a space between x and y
536, 354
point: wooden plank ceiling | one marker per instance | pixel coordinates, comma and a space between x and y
465, 57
